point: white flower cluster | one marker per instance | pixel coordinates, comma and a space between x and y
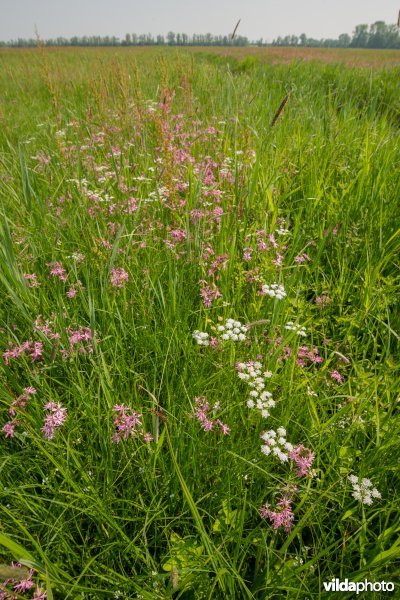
364, 491
259, 397
274, 290
299, 329
201, 338
282, 231
275, 443
233, 330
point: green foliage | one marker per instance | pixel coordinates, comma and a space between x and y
180, 517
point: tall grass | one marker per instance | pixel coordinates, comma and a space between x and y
84, 131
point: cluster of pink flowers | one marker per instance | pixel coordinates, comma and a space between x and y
306, 355
9, 428
201, 414
336, 376
20, 586
34, 349
247, 254
54, 418
265, 243
31, 280
178, 235
282, 516
219, 263
73, 290
128, 424
302, 258
214, 215
209, 293
22, 400
46, 327
57, 270
119, 277
303, 459
322, 300
80, 340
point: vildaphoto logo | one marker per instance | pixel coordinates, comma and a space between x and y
335, 585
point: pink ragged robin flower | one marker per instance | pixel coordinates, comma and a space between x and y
81, 340
282, 516
209, 293
336, 376
202, 409
57, 270
9, 428
119, 277
55, 417
25, 584
22, 400
127, 423
31, 280
34, 349
303, 459
322, 300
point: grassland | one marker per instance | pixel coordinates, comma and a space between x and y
145, 197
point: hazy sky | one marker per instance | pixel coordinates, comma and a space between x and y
260, 18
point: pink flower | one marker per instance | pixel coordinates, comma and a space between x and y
281, 517
30, 391
24, 584
336, 376
57, 270
322, 300
178, 234
247, 254
37, 350
72, 292
39, 594
31, 280
9, 428
209, 293
201, 414
302, 258
127, 422
196, 214
303, 458
119, 277
80, 340
55, 417
224, 428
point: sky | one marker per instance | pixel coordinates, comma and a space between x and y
265, 19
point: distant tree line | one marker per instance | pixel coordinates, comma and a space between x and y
377, 35
134, 39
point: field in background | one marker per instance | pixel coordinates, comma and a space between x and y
150, 447
284, 55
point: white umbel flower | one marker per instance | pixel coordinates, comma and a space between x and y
274, 290
201, 337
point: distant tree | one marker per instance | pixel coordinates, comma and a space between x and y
171, 38
344, 40
378, 35
360, 37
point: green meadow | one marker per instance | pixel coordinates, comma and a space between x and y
199, 325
